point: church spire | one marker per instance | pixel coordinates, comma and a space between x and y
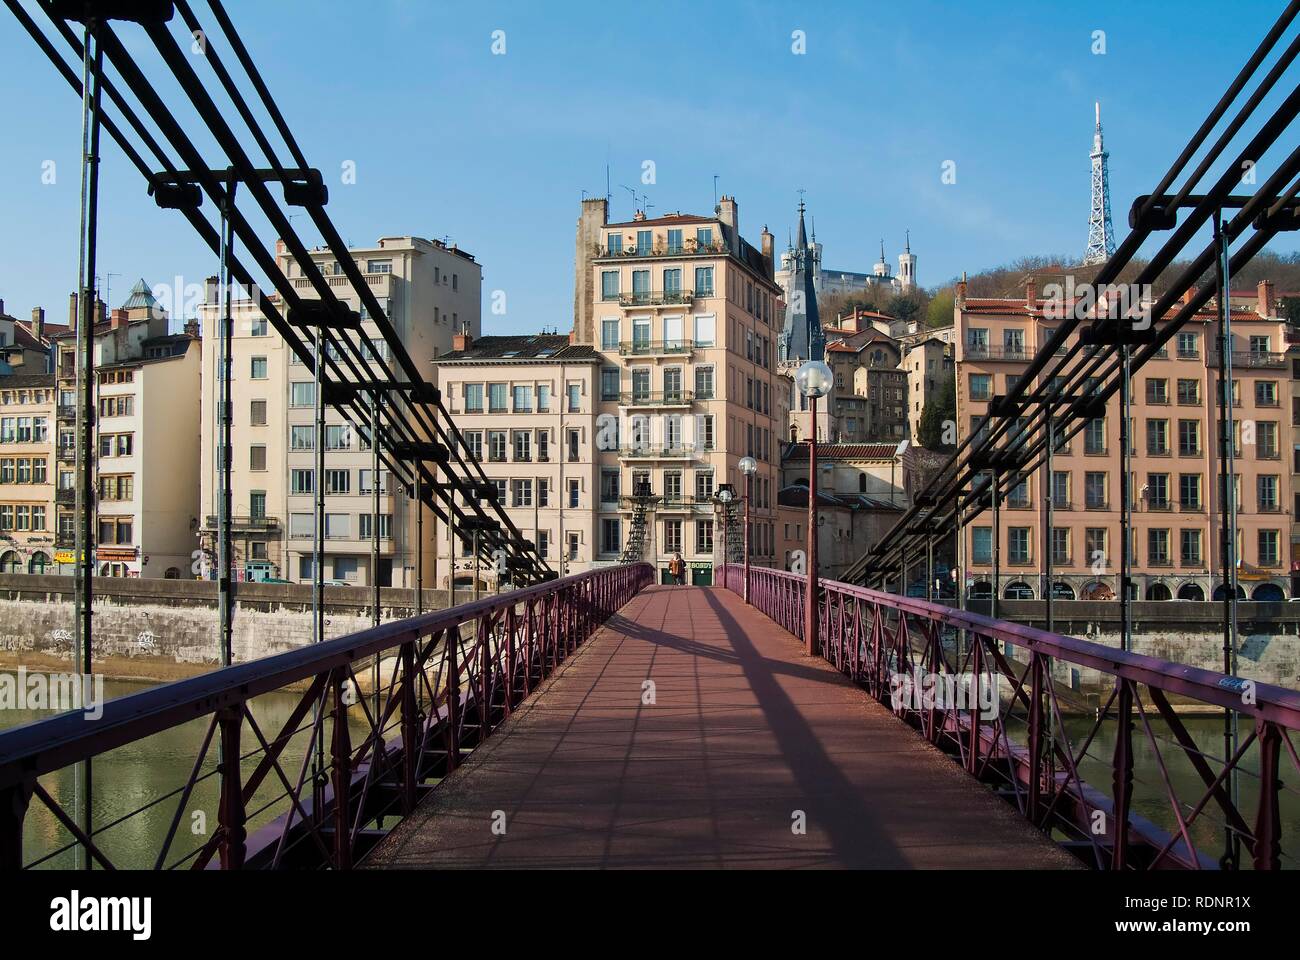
802, 337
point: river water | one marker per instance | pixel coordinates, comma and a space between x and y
138, 774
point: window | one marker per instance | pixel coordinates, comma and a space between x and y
473, 394
1157, 437
543, 491
574, 492
1268, 548
338, 481
1094, 539
1061, 545
575, 397
609, 334
363, 481
258, 371
543, 446
1189, 491
672, 536
1018, 545
609, 387
474, 444
338, 436
609, 286
1094, 490
1266, 393
704, 237
1094, 436
1061, 489
338, 526
523, 444
675, 241
981, 386
1157, 491
257, 413
496, 398
379, 266
704, 331
301, 481
1267, 491
257, 457
1189, 392
496, 446
614, 244
1190, 547
1158, 547
673, 281
1266, 447
704, 536
1157, 390
703, 485
982, 545
703, 383
521, 493
1188, 346
523, 399
1189, 438
302, 394
704, 281
610, 539
609, 486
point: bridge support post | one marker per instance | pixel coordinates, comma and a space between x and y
411, 740
1122, 774
1267, 848
451, 637
341, 758
1036, 679
231, 816
14, 801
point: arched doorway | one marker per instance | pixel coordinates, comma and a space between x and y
1158, 591
1062, 591
1268, 592
1098, 591
1191, 591
10, 562
1018, 590
980, 590
38, 563
1221, 591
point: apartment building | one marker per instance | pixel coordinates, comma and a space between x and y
1175, 536
27, 412
25, 347
684, 314
146, 422
928, 365
429, 291
526, 406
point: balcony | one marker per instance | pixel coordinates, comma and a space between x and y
66, 411
648, 452
657, 298
1252, 360
681, 504
655, 348
65, 496
246, 524
982, 351
689, 247
668, 398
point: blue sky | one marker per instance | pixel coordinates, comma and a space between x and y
494, 152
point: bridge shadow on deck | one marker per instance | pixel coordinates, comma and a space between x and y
741, 740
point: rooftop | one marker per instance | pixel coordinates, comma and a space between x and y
541, 347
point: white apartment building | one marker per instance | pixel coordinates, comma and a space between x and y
526, 407
146, 469
429, 292
684, 314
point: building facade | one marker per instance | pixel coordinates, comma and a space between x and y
146, 422
526, 406
1177, 505
27, 434
827, 281
684, 314
430, 292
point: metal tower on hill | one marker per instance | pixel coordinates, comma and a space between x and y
1101, 234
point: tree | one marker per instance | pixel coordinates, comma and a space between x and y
939, 411
940, 313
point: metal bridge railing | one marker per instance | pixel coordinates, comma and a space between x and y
1029, 744
446, 680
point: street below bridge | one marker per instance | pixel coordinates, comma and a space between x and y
693, 732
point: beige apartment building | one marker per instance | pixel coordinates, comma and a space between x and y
146, 426
928, 365
1177, 508
526, 406
430, 291
684, 314
27, 518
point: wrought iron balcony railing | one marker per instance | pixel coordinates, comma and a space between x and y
667, 398
650, 348
644, 298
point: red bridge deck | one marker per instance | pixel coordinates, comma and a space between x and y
743, 732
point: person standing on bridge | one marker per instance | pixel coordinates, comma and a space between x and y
677, 569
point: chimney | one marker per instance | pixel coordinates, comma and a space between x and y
191, 328
1188, 294
38, 324
210, 290
1031, 292
961, 288
1265, 293
2, 307
101, 310
118, 318
593, 217
729, 215
72, 311
462, 340
769, 252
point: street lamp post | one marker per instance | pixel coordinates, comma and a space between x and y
748, 466
724, 495
814, 380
